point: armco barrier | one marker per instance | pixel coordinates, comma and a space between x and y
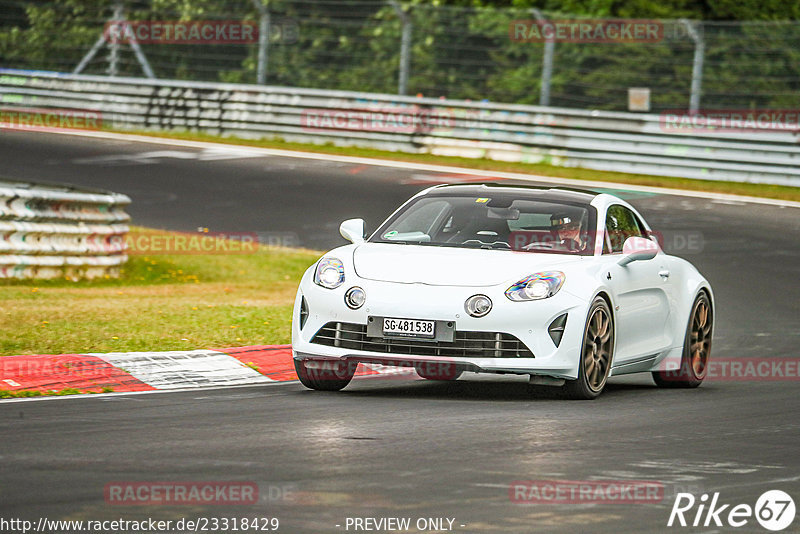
50, 231
626, 142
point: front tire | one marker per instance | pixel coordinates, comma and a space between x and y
324, 375
596, 354
438, 371
696, 349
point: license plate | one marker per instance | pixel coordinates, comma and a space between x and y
408, 327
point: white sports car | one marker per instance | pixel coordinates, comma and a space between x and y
567, 286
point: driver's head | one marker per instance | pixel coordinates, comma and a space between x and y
564, 221
567, 226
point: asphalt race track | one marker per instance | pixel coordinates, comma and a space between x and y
411, 448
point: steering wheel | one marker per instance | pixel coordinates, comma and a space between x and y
481, 243
549, 245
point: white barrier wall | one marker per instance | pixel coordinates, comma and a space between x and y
56, 231
663, 145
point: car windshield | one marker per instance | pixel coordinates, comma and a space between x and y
502, 222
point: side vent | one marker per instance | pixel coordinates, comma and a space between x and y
556, 329
303, 312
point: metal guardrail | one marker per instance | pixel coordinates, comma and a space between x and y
615, 141
51, 231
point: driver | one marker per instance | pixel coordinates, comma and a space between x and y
568, 231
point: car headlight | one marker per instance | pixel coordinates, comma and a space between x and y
536, 286
329, 273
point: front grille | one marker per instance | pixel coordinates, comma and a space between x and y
465, 344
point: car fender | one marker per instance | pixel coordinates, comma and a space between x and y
688, 284
586, 282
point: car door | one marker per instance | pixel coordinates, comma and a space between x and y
641, 291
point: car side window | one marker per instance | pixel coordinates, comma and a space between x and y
621, 223
423, 217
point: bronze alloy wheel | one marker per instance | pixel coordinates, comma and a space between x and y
696, 348
597, 345
597, 353
700, 340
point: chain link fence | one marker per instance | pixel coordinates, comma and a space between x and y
436, 51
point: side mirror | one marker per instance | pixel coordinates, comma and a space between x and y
638, 249
353, 230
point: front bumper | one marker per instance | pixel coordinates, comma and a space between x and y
526, 321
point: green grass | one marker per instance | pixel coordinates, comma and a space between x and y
167, 302
735, 188
25, 393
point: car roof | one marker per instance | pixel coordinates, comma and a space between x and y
556, 194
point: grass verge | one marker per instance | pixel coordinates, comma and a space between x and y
164, 302
756, 190
26, 393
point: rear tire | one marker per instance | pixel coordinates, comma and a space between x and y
596, 354
696, 349
332, 376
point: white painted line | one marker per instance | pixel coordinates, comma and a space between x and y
436, 168
148, 392
146, 158
182, 369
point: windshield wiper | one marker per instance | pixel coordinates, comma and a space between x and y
476, 245
400, 242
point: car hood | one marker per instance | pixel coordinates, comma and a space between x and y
442, 266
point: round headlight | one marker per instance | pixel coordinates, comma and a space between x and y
478, 305
355, 297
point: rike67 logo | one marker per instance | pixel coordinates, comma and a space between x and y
774, 510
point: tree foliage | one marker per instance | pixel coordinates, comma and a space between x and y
459, 48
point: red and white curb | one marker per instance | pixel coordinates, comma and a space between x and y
150, 371
146, 371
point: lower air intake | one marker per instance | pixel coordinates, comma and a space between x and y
465, 345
